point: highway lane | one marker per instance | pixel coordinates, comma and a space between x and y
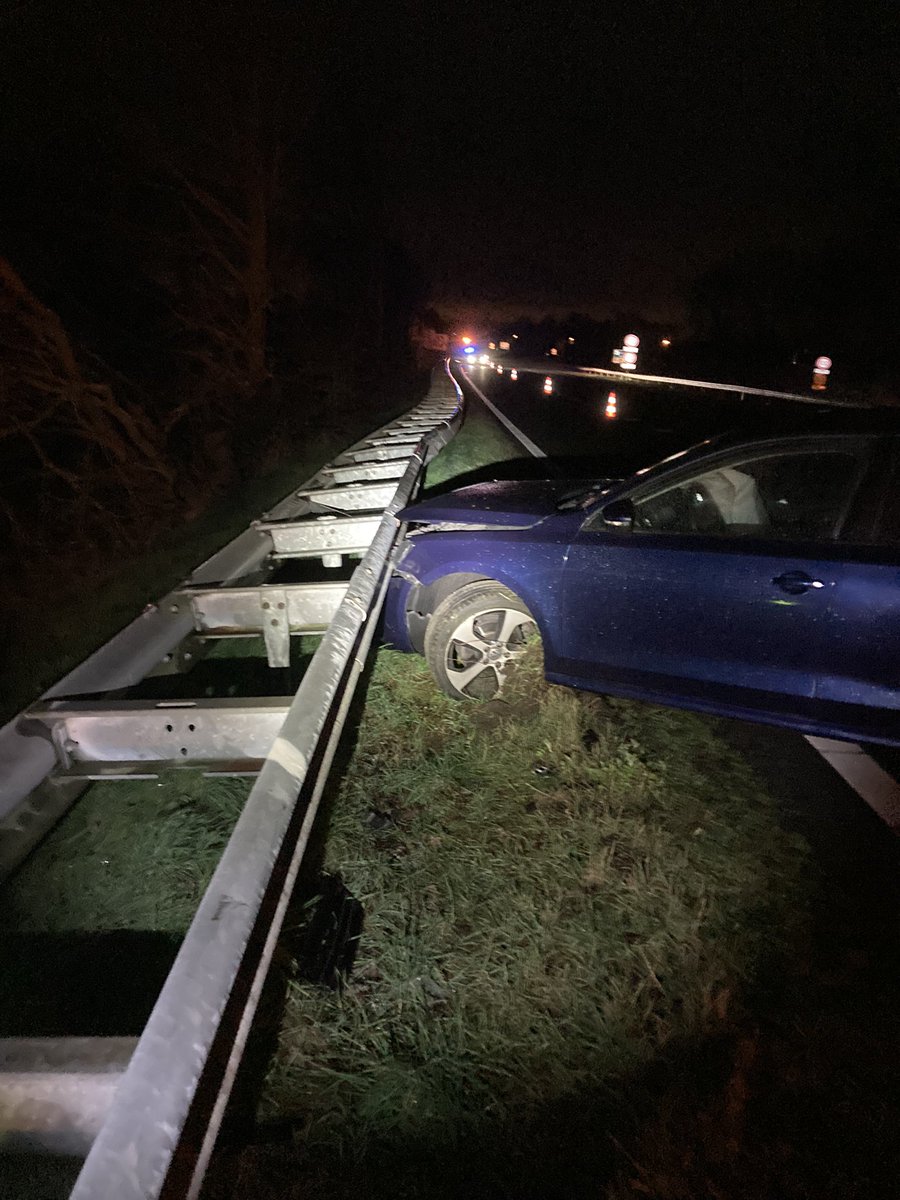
574, 417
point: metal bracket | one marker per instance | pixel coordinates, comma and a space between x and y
276, 626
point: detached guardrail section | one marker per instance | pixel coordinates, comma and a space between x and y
159, 1129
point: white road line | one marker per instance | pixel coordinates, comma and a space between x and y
870, 781
513, 429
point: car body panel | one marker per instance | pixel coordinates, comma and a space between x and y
703, 622
501, 504
528, 561
861, 687
734, 625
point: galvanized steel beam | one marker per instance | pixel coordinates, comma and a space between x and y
161, 640
357, 472
169, 732
58, 1093
274, 610
352, 497
55, 1093
219, 972
321, 537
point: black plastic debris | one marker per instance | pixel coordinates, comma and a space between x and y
327, 943
378, 821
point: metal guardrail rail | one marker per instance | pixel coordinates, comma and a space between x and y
630, 377
147, 1114
705, 385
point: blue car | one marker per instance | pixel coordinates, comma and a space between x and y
751, 576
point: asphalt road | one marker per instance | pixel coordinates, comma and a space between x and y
650, 421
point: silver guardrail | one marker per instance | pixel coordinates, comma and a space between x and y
630, 377
45, 762
163, 1120
706, 385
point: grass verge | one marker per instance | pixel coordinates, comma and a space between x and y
559, 893
481, 440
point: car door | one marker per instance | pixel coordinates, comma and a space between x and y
859, 689
717, 594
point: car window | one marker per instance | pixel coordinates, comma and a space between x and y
800, 496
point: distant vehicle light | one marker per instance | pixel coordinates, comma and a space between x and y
484, 359
554, 351
666, 342
548, 386
514, 374
499, 369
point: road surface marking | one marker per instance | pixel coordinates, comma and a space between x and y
870, 781
513, 429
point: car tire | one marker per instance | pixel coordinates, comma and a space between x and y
473, 636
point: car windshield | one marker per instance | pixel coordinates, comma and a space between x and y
584, 497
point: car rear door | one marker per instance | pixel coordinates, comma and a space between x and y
718, 595
859, 688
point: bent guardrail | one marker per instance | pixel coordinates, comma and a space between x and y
163, 1121
49, 752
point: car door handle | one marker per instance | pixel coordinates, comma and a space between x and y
795, 583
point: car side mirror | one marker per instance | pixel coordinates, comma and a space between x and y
618, 514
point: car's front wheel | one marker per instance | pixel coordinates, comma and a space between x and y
473, 636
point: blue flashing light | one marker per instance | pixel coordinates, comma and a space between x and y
469, 350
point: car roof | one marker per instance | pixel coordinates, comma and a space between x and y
762, 428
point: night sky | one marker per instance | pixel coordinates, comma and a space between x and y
539, 156
603, 155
